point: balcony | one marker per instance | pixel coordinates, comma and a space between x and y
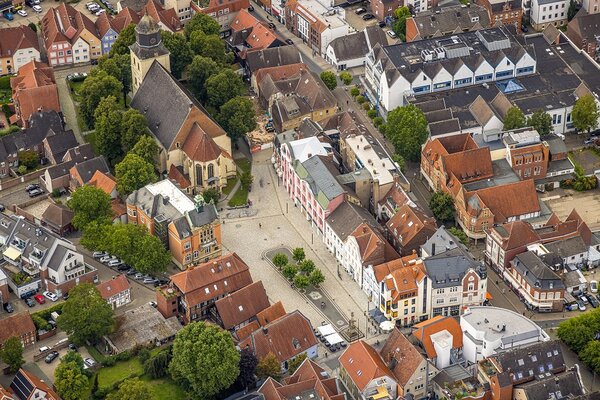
31, 269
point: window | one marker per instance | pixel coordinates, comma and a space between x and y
211, 171
524, 70
186, 245
502, 74
441, 85
481, 78
464, 81
421, 89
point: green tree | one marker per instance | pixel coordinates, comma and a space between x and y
12, 354
585, 113
442, 206
248, 363
354, 92
133, 173
89, 204
158, 366
280, 260
407, 130
237, 117
572, 10
295, 363
316, 277
205, 360
108, 125
33, 26
125, 39
398, 159
222, 87
307, 266
204, 23
401, 14
29, 158
577, 332
133, 127
86, 316
346, 77
198, 73
95, 235
590, 355
147, 149
70, 381
298, 254
301, 281
329, 79
181, 53
541, 121
290, 271
269, 366
459, 234
246, 179
131, 389
74, 357
211, 195
150, 255
210, 46
97, 86
118, 66
514, 119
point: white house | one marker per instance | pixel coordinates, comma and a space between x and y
544, 12
116, 292
349, 51
490, 330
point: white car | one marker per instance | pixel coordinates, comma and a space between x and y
50, 296
152, 304
100, 12
99, 254
392, 34
22, 13
107, 259
37, 8
114, 263
90, 362
594, 286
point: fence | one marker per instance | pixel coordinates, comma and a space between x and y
7, 184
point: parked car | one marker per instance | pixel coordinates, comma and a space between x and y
580, 305
589, 141
114, 263
90, 362
99, 254
35, 192
106, 259
39, 298
583, 298
368, 16
139, 276
100, 11
65, 296
381, 24
51, 357
2, 208
22, 13
250, 8
9, 308
32, 186
50, 296
160, 282
361, 10
524, 28
132, 271
593, 301
152, 304
149, 280
44, 348
123, 267
272, 26
9, 16
29, 301
392, 34
594, 286
72, 347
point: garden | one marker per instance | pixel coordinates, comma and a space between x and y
244, 175
300, 271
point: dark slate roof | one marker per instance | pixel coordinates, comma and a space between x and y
80, 153
347, 217
449, 268
533, 361
194, 219
41, 124
568, 247
449, 19
87, 169
154, 205
60, 142
358, 44
57, 256
59, 170
273, 57
563, 386
536, 272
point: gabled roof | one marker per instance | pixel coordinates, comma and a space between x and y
113, 287
271, 313
65, 23
535, 271
509, 200
242, 305
362, 363
411, 227
450, 267
199, 146
57, 215
402, 356
516, 234
374, 249
272, 57
356, 45
447, 20
59, 143
347, 217
103, 181
167, 17
17, 38
17, 325
423, 331
25, 384
84, 171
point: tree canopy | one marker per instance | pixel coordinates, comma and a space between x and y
269, 366
181, 53
329, 79
222, 87
98, 85
237, 117
133, 127
407, 130
442, 206
248, 363
131, 389
89, 204
401, 14
133, 173
86, 316
514, 119
541, 121
205, 360
147, 149
125, 39
198, 73
204, 23
70, 381
109, 121
585, 113
118, 66
12, 353
210, 46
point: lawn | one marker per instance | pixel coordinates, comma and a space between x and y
230, 185
107, 376
165, 389
243, 164
240, 197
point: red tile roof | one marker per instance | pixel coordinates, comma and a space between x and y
16, 325
114, 286
17, 38
242, 305
509, 200
363, 364
104, 182
199, 146
65, 23
167, 17
34, 88
423, 331
40, 384
271, 313
411, 227
407, 358
374, 249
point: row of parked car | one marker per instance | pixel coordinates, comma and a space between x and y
114, 262
34, 190
583, 300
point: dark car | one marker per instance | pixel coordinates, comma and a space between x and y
593, 301
29, 301
381, 24
35, 192
123, 267
272, 26
250, 8
31, 187
9, 308
2, 208
368, 16
72, 347
51, 357
524, 28
289, 41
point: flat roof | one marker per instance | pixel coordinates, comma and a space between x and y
499, 323
328, 15
503, 174
177, 198
372, 157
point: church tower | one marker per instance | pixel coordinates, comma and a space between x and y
148, 47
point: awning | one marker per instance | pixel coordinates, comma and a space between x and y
11, 253
488, 296
382, 393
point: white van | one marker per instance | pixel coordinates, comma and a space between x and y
594, 286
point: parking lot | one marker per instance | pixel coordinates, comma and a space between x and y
586, 204
357, 22
15, 195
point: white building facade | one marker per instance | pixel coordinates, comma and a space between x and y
545, 12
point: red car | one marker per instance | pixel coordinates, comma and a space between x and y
39, 298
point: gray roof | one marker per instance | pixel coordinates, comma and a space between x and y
60, 142
40, 125
347, 217
194, 219
448, 20
57, 257
166, 112
272, 57
536, 272
533, 360
154, 206
563, 386
449, 268
357, 45
86, 169
442, 240
568, 247
59, 170
321, 179
556, 144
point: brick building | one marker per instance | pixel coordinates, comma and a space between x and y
19, 325
504, 12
